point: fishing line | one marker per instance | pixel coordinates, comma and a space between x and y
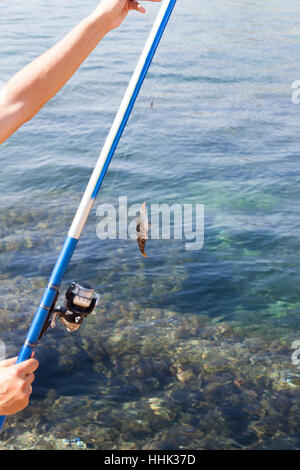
145, 104
124, 155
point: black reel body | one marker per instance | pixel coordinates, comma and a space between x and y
80, 301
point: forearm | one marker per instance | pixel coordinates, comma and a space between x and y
27, 92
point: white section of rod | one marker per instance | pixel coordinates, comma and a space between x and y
87, 200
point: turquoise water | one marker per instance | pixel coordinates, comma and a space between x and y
188, 349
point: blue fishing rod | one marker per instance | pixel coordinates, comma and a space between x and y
81, 299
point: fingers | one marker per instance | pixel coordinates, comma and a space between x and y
133, 5
28, 391
26, 381
16, 384
29, 379
27, 367
136, 6
26, 387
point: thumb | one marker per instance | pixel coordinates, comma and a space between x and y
136, 6
27, 367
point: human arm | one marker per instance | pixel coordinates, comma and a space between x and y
32, 87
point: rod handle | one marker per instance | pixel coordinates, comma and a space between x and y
2, 422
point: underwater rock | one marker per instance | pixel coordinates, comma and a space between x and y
155, 379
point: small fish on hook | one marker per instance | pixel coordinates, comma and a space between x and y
142, 229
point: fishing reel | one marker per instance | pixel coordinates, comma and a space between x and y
80, 301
